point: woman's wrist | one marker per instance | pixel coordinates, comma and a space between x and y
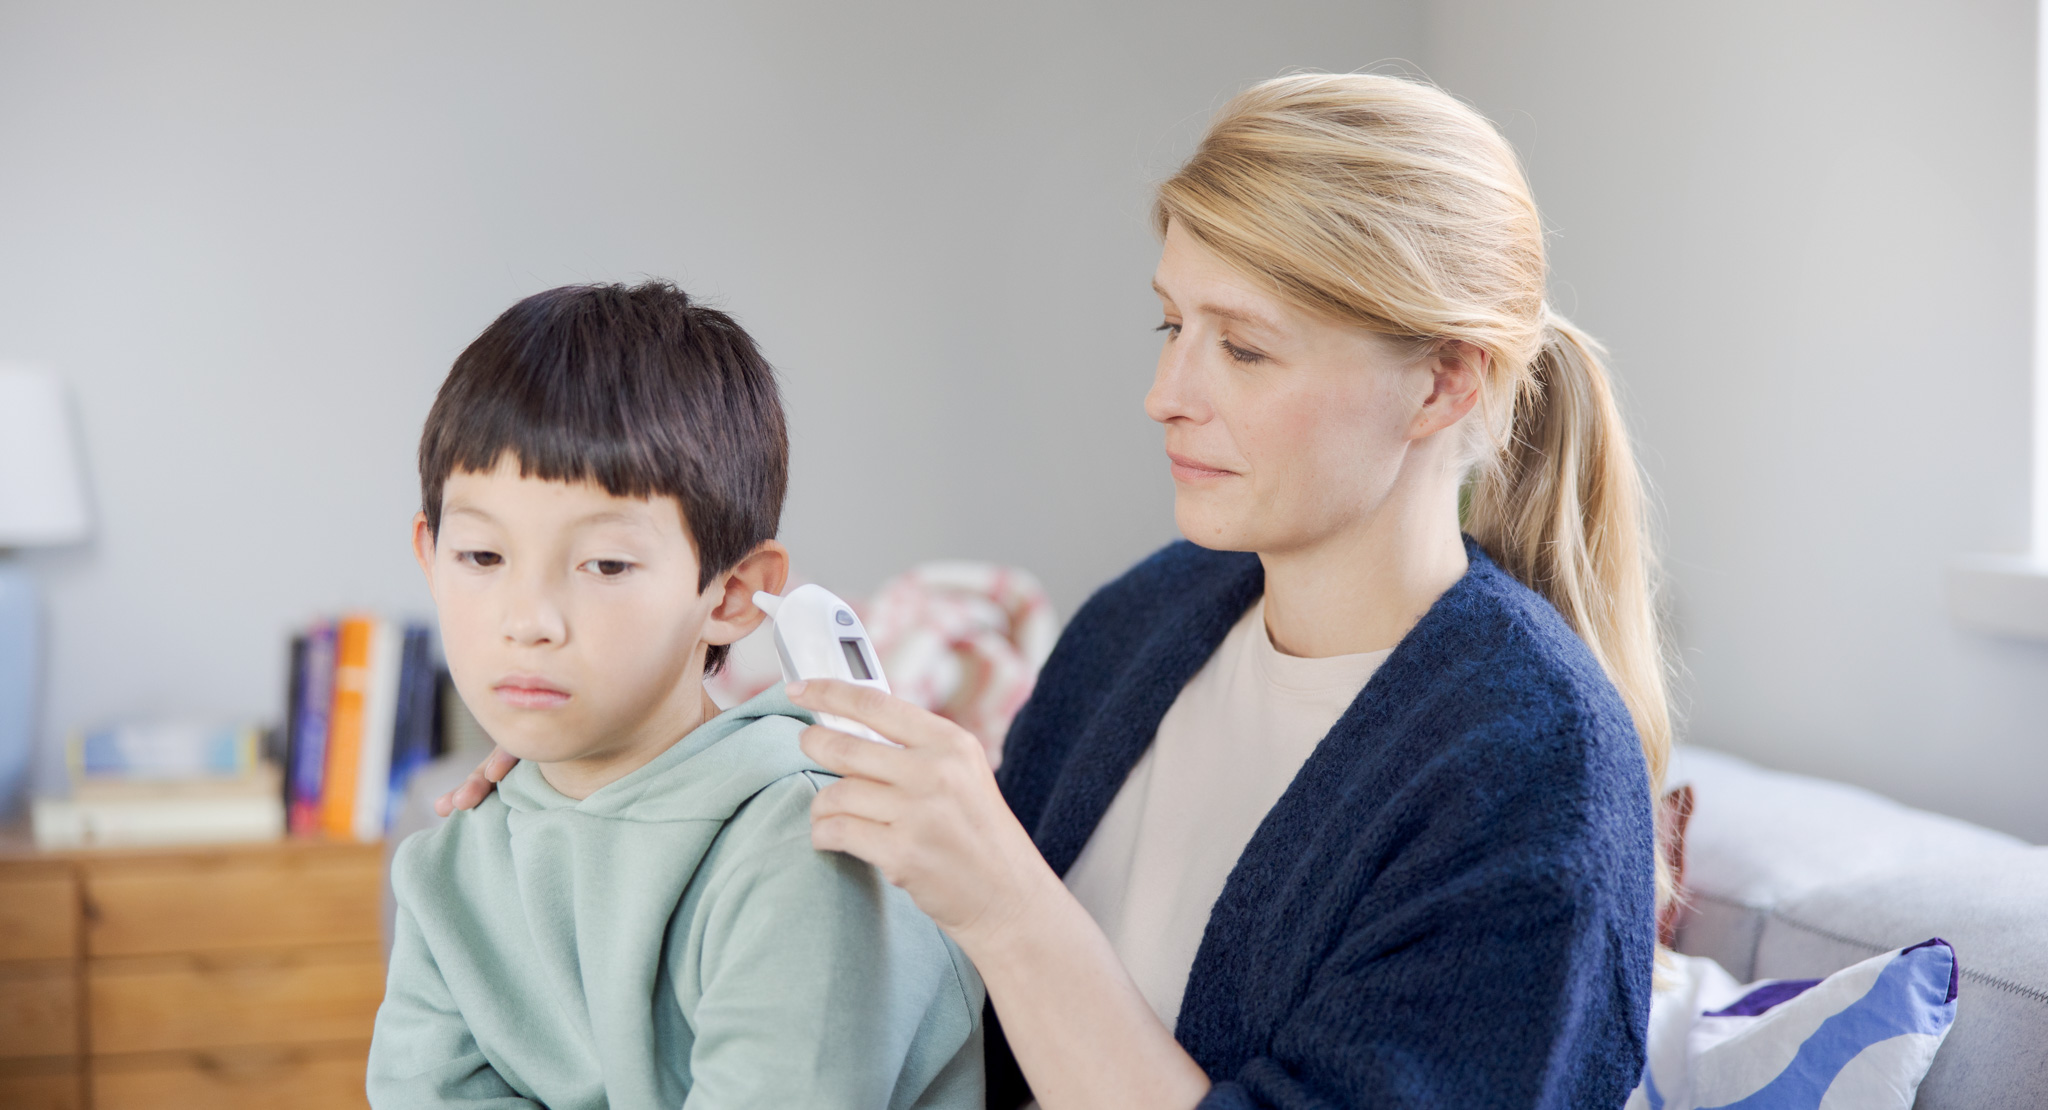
1020, 918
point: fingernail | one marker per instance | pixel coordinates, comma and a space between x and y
795, 688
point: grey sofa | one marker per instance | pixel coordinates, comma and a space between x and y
1790, 877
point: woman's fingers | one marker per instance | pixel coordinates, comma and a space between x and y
478, 786
864, 840
891, 716
861, 798
844, 754
498, 764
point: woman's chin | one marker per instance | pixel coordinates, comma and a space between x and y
1204, 526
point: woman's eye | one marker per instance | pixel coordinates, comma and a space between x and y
479, 558
609, 568
1170, 328
1240, 354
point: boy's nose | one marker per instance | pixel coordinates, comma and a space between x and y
534, 620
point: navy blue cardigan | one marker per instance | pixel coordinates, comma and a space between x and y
1452, 903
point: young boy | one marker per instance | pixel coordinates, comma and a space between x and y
636, 918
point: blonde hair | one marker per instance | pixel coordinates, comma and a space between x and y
1388, 204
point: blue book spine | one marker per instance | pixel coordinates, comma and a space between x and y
309, 760
412, 741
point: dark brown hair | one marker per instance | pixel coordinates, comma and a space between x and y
636, 388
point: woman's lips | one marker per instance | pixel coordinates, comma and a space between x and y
1188, 470
524, 692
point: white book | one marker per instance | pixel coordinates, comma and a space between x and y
173, 818
380, 726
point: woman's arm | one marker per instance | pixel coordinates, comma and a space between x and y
929, 816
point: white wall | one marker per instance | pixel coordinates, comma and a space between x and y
253, 238
253, 241
1806, 230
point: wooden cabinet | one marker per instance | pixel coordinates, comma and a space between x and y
216, 977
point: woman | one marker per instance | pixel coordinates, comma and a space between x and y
1330, 806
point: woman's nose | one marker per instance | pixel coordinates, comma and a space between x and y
1173, 395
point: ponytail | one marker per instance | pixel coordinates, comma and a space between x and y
1561, 507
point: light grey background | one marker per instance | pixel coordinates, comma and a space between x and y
252, 240
1806, 231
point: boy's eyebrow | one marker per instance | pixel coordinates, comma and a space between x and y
602, 516
611, 516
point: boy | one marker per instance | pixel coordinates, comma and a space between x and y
636, 918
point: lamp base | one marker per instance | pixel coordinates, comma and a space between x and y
20, 668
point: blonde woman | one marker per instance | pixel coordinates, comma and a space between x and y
1331, 805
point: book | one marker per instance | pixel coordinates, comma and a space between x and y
345, 726
114, 811
383, 668
306, 773
294, 701
155, 750
412, 745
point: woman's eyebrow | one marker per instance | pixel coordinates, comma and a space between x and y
1228, 312
1241, 315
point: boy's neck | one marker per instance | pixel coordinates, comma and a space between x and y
580, 778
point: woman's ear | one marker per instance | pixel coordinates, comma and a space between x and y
765, 568
1456, 370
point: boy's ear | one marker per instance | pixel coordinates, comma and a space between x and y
765, 568
423, 547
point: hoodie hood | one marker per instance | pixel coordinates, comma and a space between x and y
705, 776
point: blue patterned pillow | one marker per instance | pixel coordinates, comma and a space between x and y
1861, 1038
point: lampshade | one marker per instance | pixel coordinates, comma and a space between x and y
42, 489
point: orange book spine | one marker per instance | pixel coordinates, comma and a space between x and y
345, 726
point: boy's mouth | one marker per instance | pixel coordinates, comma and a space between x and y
523, 691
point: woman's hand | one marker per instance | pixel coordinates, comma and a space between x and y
927, 815
479, 784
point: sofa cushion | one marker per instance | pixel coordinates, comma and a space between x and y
1796, 877
1994, 911
1758, 838
1862, 1037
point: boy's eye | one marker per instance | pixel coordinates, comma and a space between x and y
479, 558
609, 568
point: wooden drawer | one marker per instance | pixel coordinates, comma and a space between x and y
38, 1010
38, 912
300, 894
41, 1085
306, 1077
166, 1003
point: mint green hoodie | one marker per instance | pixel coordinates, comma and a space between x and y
671, 940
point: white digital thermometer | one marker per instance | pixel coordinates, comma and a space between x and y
818, 636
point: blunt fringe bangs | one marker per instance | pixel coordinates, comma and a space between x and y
635, 388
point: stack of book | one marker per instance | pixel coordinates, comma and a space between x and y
163, 783
362, 717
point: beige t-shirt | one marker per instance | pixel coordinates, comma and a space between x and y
1224, 753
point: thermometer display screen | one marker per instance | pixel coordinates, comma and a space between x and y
855, 660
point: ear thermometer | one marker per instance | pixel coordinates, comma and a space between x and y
818, 636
